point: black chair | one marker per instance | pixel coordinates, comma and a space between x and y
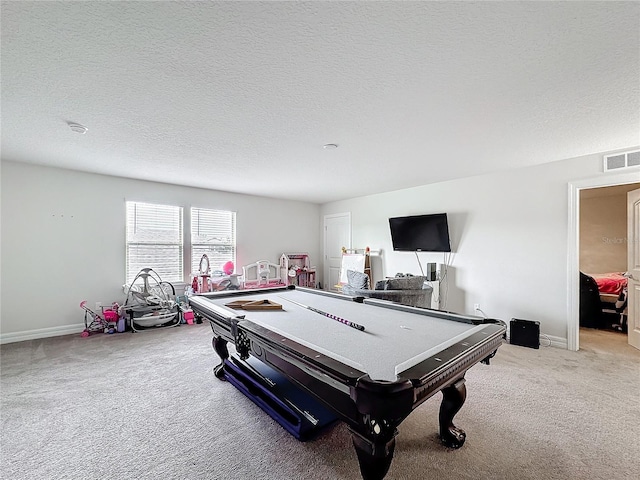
591, 315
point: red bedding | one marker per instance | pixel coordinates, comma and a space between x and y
610, 282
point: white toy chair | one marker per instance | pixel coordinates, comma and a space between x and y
261, 274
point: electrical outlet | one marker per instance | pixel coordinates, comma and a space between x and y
98, 305
476, 307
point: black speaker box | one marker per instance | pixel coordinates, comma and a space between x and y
525, 333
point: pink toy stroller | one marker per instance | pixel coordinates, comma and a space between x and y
98, 324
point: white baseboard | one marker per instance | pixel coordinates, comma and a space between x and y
551, 341
41, 333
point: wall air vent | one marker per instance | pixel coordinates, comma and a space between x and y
622, 160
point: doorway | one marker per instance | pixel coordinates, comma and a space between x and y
573, 257
337, 235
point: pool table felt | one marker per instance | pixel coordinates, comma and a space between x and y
393, 340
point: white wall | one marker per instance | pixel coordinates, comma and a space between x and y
508, 232
63, 240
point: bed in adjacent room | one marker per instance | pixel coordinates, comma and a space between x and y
603, 300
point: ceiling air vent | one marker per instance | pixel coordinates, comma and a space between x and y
622, 160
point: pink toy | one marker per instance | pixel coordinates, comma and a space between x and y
228, 268
188, 316
98, 323
203, 273
111, 318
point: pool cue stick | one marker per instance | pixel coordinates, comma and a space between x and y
331, 316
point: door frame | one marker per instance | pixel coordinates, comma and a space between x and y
573, 246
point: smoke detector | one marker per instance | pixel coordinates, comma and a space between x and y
76, 127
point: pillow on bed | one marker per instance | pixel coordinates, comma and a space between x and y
358, 280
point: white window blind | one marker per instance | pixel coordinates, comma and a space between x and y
212, 232
154, 240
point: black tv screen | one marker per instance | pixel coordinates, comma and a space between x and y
420, 233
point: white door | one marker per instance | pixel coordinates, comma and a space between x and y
633, 267
337, 234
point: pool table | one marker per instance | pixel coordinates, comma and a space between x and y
372, 372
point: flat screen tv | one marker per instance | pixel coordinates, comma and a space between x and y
420, 233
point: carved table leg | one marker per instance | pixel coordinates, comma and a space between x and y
220, 346
453, 398
374, 457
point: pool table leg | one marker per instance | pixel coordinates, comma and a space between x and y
220, 346
374, 457
453, 398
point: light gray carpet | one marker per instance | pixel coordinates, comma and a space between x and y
146, 406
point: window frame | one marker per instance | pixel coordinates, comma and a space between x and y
194, 262
187, 245
129, 242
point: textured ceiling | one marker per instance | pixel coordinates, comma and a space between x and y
241, 96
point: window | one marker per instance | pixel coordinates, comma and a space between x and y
213, 232
154, 240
